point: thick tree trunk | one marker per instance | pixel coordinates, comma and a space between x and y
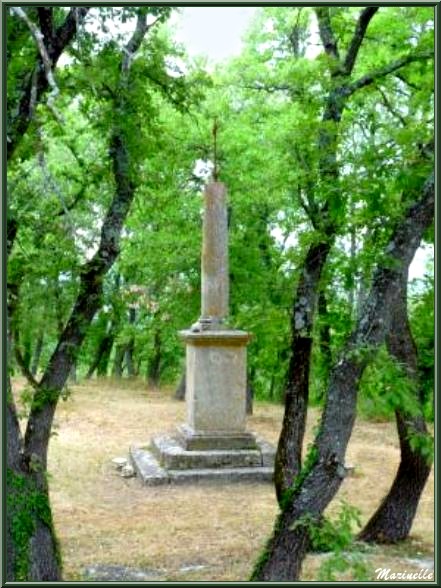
321, 480
31, 544
393, 519
289, 449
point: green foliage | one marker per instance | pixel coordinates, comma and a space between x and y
422, 443
385, 387
422, 323
337, 536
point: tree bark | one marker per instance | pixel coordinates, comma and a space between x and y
325, 220
393, 519
320, 482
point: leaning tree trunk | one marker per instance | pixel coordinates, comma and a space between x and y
325, 471
289, 449
31, 539
393, 519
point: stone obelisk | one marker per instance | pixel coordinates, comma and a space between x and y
213, 444
215, 353
214, 270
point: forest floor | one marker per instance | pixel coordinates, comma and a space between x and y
108, 523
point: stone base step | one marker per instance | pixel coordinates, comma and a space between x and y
151, 473
173, 456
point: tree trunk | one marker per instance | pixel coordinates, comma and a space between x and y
32, 547
289, 449
249, 396
128, 358
102, 355
180, 390
118, 361
393, 519
154, 365
324, 468
130, 348
103, 363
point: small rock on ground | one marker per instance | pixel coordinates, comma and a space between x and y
427, 564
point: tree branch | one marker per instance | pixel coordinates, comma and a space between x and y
47, 62
46, 24
135, 42
327, 34
371, 77
66, 31
35, 82
390, 108
23, 367
360, 31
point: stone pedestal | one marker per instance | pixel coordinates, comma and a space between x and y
216, 389
214, 444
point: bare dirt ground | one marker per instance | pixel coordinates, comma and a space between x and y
194, 533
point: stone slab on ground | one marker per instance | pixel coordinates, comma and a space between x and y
151, 473
172, 456
116, 573
224, 475
147, 467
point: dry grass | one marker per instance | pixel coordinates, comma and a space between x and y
102, 518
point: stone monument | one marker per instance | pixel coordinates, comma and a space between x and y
213, 444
